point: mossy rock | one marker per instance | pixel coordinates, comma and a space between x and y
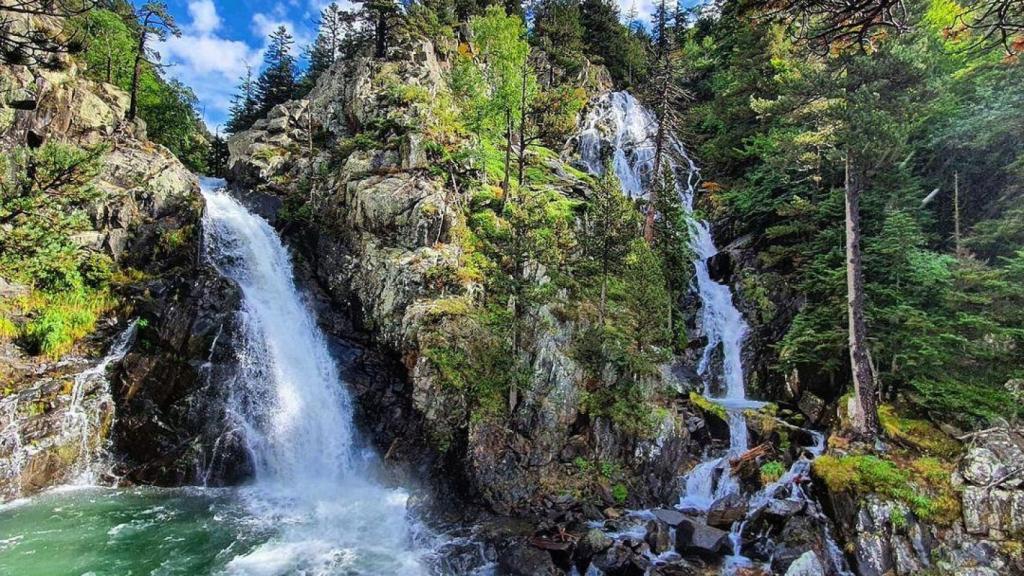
920, 435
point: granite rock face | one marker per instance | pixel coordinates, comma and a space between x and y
888, 538
373, 217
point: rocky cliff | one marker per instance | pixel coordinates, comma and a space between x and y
146, 215
367, 203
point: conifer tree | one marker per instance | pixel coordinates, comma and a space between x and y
380, 18
558, 31
154, 20
332, 29
276, 84
242, 112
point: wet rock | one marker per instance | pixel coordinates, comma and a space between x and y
526, 560
699, 539
799, 535
811, 406
727, 510
807, 564
592, 543
620, 560
658, 536
668, 516
720, 267
783, 508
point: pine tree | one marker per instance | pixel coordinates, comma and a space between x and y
558, 31
380, 18
154, 20
332, 28
276, 84
610, 225
243, 104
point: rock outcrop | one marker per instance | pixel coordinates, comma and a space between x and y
147, 218
373, 214
885, 537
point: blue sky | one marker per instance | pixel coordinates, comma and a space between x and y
219, 37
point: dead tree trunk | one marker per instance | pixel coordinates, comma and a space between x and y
865, 415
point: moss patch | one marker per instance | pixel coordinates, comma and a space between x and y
921, 483
709, 407
918, 434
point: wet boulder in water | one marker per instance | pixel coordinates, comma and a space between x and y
668, 516
658, 536
699, 539
720, 267
621, 560
591, 544
727, 510
807, 564
522, 559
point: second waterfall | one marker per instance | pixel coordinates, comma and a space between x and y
620, 130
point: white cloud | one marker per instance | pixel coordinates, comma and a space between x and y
205, 19
264, 24
210, 64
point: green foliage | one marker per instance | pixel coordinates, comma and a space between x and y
43, 196
620, 494
62, 319
558, 31
771, 471
774, 122
168, 106
607, 41
923, 485
276, 83
43, 193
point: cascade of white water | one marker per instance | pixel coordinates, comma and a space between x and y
79, 419
297, 418
619, 127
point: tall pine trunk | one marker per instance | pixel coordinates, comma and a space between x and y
865, 413
652, 196
136, 73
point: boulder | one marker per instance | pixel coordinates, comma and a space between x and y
671, 517
720, 267
522, 559
658, 537
698, 539
807, 564
621, 560
278, 124
811, 406
592, 543
726, 511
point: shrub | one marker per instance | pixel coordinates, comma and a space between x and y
620, 493
772, 471
62, 320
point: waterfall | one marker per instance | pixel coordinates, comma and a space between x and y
80, 420
291, 403
619, 127
74, 428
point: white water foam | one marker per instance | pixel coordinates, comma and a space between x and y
297, 418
